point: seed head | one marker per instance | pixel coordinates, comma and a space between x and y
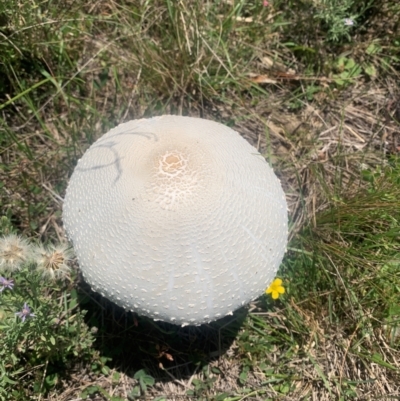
14, 252
52, 261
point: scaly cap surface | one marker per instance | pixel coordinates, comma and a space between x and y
176, 218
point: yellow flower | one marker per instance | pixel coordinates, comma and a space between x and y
275, 288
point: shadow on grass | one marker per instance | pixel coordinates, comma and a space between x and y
166, 351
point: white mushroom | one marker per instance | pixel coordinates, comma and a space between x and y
176, 218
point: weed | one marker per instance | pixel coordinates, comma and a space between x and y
40, 322
91, 391
337, 17
144, 382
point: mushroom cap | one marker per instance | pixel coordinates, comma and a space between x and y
176, 218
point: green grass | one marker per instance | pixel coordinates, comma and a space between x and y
317, 97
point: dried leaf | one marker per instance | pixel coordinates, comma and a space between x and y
267, 61
263, 79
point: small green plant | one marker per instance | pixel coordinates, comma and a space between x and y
91, 391
144, 382
41, 326
201, 387
338, 17
348, 70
